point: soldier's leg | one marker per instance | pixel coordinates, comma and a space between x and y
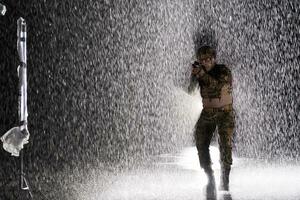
205, 128
225, 129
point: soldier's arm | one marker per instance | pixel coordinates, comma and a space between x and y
224, 78
193, 84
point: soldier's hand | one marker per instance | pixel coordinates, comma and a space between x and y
197, 70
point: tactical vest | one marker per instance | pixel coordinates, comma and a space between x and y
213, 81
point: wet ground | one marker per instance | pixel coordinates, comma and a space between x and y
178, 177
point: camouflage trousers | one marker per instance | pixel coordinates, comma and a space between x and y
210, 119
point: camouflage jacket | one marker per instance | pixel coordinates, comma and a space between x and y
214, 82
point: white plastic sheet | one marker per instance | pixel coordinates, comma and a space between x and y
14, 141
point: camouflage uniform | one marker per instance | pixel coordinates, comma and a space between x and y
211, 84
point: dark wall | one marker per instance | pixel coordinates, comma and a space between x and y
107, 79
99, 76
258, 41
102, 75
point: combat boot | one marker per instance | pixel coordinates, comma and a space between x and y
211, 185
224, 180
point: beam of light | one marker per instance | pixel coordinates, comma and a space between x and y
188, 158
190, 104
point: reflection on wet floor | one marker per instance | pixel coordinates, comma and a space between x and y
170, 178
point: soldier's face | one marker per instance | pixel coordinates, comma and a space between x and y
207, 61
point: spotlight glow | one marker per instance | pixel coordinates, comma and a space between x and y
180, 177
188, 159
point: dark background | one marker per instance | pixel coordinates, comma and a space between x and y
102, 76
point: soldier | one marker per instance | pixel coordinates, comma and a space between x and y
215, 83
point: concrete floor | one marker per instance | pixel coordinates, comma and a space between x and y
178, 177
